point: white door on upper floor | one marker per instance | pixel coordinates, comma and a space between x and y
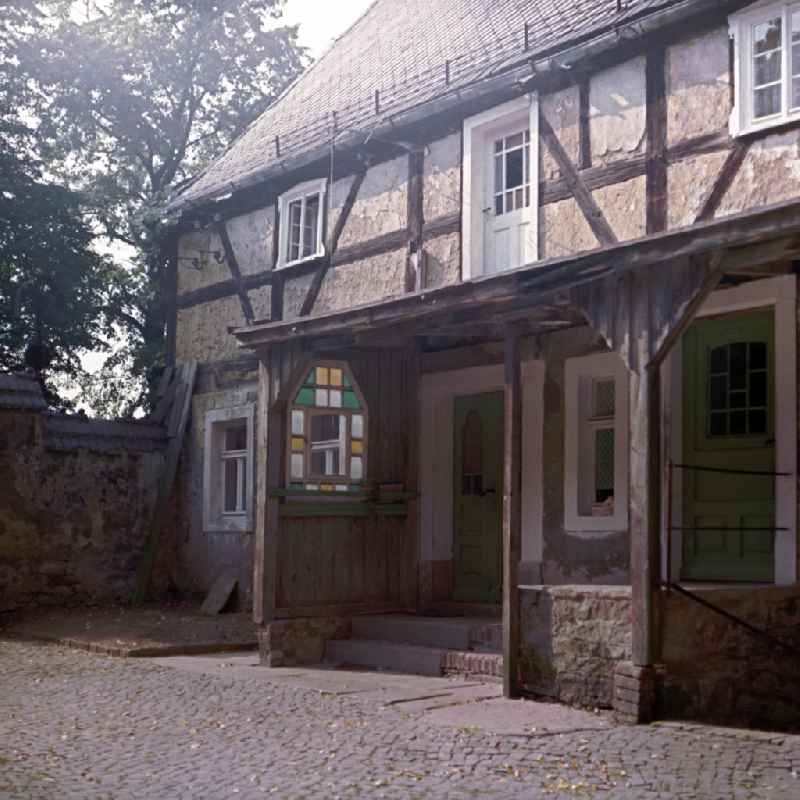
509, 231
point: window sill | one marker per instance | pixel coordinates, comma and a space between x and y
301, 262
773, 125
230, 523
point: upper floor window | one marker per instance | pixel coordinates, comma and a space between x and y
596, 442
327, 432
499, 215
767, 66
301, 223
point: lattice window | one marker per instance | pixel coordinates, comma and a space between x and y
512, 173
327, 442
301, 223
767, 66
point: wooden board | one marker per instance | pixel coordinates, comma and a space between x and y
220, 594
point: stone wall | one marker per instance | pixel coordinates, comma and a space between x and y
572, 639
74, 501
717, 671
291, 642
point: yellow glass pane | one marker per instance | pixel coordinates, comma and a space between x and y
326, 487
298, 444
336, 377
358, 447
323, 377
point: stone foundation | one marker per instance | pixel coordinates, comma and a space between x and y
717, 671
293, 642
573, 639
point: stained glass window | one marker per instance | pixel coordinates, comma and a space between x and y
327, 443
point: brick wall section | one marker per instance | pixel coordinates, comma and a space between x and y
573, 638
292, 642
634, 692
74, 497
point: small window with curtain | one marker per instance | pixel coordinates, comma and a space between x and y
228, 469
301, 223
596, 458
767, 66
327, 432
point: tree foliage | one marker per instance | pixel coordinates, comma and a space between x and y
132, 97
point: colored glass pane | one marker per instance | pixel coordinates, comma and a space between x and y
336, 377
305, 397
326, 487
323, 378
357, 447
312, 377
346, 380
350, 399
354, 487
298, 444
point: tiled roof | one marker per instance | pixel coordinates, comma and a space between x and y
75, 433
400, 48
20, 392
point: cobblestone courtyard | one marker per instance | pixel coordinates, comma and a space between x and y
78, 725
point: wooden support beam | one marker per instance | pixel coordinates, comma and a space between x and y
269, 474
656, 124
585, 199
584, 119
178, 420
332, 243
512, 512
236, 273
276, 293
416, 220
728, 171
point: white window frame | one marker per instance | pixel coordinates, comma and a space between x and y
580, 376
301, 192
215, 518
741, 26
477, 171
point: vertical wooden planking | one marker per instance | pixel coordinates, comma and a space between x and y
512, 512
584, 130
412, 404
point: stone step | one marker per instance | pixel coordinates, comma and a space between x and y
409, 658
448, 633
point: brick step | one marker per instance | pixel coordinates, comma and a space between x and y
413, 659
442, 632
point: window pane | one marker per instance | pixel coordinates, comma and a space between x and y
767, 68
297, 466
356, 468
604, 464
310, 225
767, 101
758, 422
604, 399
325, 428
325, 462
758, 388
758, 355
298, 418
236, 437
719, 393
738, 423
514, 169
322, 398
335, 397
358, 426
719, 425
767, 35
514, 141
231, 475
498, 174
295, 213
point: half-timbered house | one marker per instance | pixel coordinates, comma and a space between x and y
496, 322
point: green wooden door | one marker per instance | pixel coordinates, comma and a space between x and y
478, 493
728, 423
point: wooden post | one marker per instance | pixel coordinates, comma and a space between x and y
259, 609
512, 513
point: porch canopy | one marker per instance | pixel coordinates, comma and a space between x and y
639, 296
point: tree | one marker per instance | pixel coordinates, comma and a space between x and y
138, 95
58, 295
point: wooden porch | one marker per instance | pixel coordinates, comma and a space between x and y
330, 557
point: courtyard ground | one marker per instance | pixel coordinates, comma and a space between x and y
75, 724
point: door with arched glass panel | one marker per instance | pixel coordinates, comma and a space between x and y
478, 496
728, 424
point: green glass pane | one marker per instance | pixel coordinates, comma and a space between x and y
346, 380
354, 487
305, 397
295, 485
312, 377
350, 400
